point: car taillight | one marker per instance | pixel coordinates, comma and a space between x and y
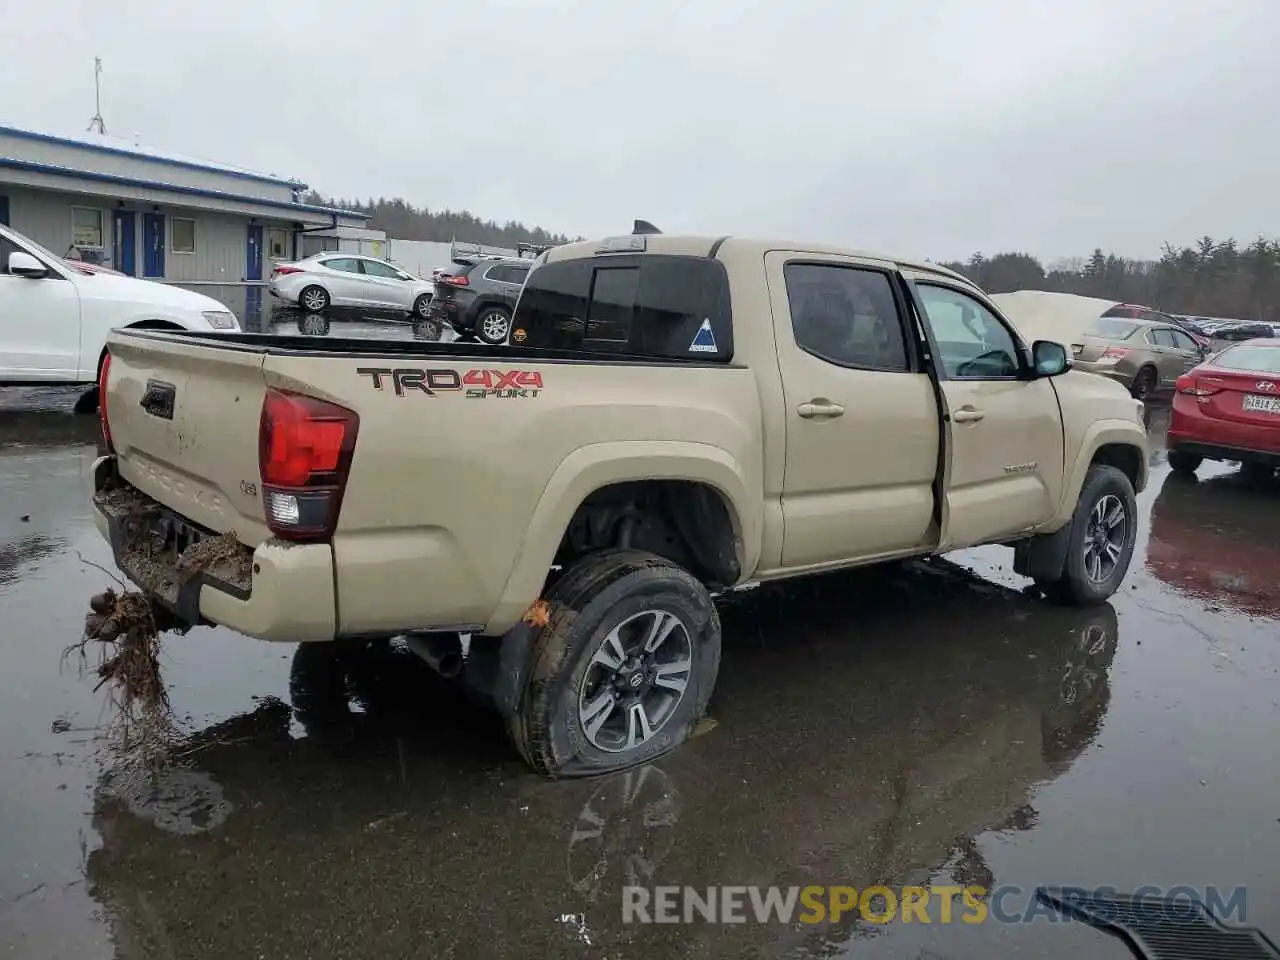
304, 457
455, 281
1114, 353
102, 402
1194, 387
284, 271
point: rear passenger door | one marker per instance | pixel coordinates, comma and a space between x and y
1188, 350
1168, 358
506, 280
384, 285
346, 284
1004, 464
861, 417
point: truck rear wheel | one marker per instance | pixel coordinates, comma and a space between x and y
1100, 543
623, 669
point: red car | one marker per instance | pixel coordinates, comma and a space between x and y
1228, 408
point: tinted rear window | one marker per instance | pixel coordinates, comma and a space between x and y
647, 305
1251, 358
1114, 329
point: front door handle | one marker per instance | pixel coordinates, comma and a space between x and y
820, 408
967, 415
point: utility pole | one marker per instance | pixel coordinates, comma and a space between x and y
97, 122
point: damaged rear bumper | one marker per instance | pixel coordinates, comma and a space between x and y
278, 591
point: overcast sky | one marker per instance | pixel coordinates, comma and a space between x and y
921, 127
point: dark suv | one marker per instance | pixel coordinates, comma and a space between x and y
476, 296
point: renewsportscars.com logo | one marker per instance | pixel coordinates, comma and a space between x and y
910, 904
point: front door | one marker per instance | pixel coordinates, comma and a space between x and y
253, 253
124, 240
1004, 469
39, 324
153, 245
860, 416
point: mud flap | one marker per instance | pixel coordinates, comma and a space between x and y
1043, 557
509, 680
1161, 928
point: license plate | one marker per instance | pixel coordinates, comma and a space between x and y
1077, 349
1261, 404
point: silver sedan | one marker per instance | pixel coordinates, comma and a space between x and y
337, 279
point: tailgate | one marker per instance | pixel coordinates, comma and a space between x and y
184, 421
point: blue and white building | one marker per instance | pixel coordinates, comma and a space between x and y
149, 213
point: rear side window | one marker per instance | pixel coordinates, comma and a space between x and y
674, 308
845, 315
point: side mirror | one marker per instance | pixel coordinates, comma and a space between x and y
1050, 359
25, 265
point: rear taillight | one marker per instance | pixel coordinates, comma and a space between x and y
284, 271
304, 456
1195, 387
102, 402
1114, 353
461, 281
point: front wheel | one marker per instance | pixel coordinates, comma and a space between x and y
1100, 541
493, 325
422, 307
623, 670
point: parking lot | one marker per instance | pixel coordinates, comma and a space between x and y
920, 724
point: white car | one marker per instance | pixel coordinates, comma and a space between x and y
55, 314
336, 279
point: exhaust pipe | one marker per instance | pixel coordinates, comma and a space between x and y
442, 652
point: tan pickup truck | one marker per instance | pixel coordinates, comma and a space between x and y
675, 416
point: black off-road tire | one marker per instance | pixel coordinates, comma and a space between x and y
1074, 586
589, 600
1145, 383
1186, 463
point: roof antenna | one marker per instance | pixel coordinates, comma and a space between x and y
97, 121
644, 226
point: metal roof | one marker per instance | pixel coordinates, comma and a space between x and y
121, 147
61, 171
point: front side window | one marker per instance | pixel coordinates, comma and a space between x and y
86, 228
972, 342
1184, 342
182, 235
1162, 336
7, 247
845, 315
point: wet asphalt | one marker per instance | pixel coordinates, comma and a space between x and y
915, 725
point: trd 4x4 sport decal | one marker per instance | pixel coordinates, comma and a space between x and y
478, 384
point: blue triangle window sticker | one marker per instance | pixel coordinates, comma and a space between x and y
704, 341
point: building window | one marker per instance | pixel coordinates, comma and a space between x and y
278, 243
182, 235
86, 228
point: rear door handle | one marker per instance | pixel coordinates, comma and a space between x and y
815, 409
967, 415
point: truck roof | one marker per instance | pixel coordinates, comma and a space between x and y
700, 246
